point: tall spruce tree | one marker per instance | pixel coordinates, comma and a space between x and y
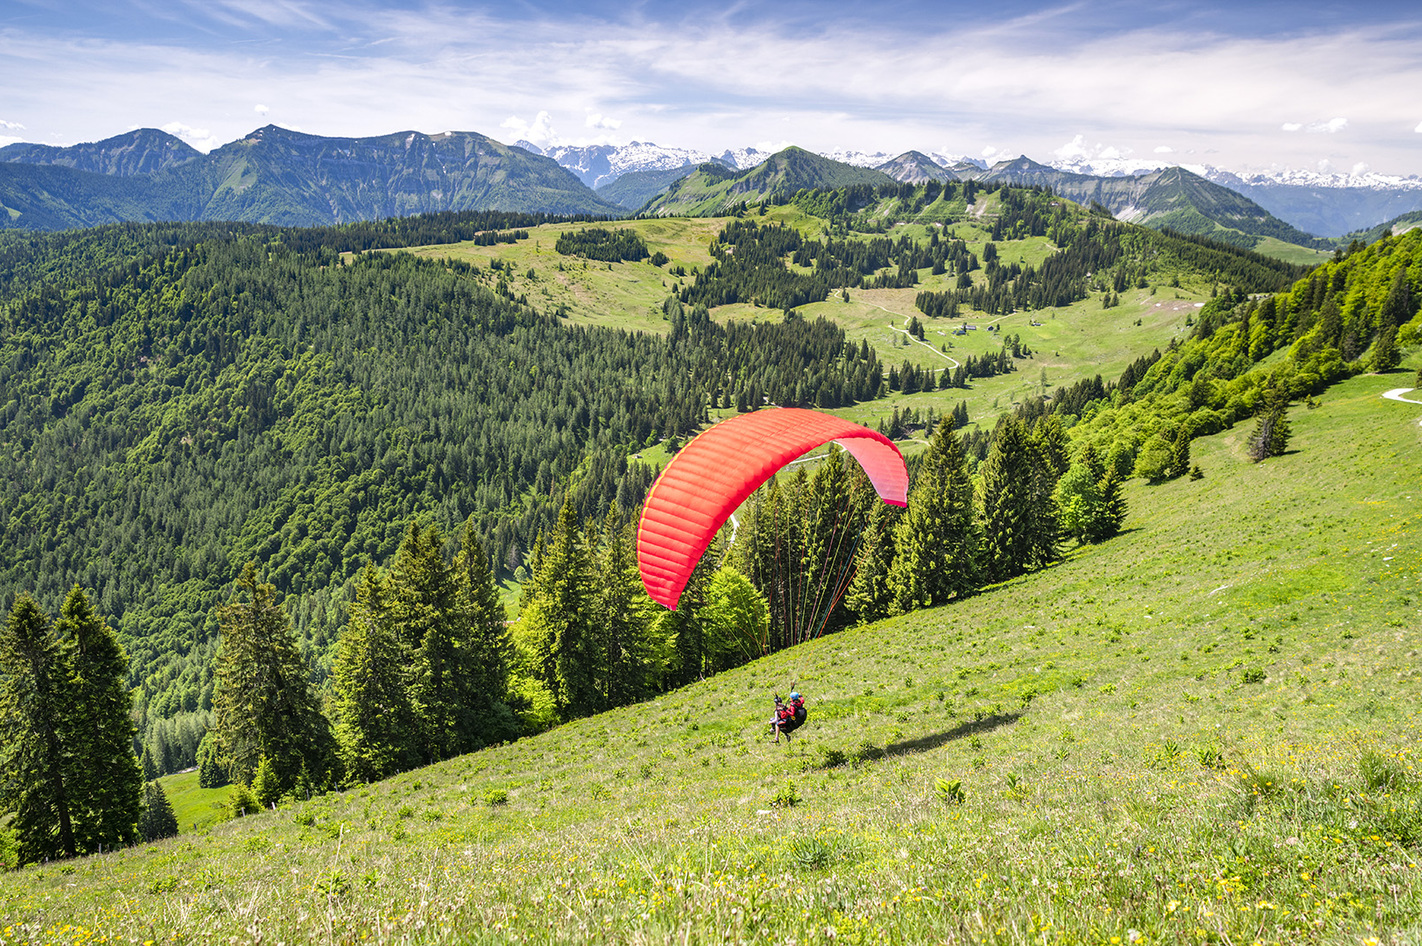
372, 715
835, 510
263, 703
486, 664
560, 620
425, 596
1009, 492
1270, 437
36, 769
936, 541
622, 619
106, 790
870, 596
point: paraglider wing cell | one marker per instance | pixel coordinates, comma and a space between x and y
721, 467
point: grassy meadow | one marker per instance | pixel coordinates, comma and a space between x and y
1205, 730
1068, 343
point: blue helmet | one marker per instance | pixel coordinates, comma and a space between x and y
794, 696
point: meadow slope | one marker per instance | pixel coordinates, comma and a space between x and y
1205, 730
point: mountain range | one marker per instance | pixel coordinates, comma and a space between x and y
278, 176
282, 177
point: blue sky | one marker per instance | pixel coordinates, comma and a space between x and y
1237, 85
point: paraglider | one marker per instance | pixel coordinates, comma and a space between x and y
722, 466
788, 716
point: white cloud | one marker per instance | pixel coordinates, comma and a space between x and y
600, 122
16, 126
539, 131
1164, 149
1418, 129
260, 109
1361, 168
988, 152
1330, 127
199, 138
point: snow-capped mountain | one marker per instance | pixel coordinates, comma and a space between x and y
1324, 202
743, 159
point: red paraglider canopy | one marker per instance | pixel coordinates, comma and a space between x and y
716, 471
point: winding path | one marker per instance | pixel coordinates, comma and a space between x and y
1396, 394
915, 340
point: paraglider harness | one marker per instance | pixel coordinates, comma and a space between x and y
788, 716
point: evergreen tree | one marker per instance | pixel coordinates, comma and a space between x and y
1009, 494
622, 620
1113, 504
1385, 354
263, 703
936, 540
106, 791
157, 819
1270, 437
1050, 462
211, 772
425, 606
1180, 450
486, 663
835, 510
372, 714
560, 615
870, 596
35, 767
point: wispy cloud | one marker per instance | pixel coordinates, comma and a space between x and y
712, 81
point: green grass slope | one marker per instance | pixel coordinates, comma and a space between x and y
1205, 730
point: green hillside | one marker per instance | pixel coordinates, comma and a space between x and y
713, 189
1172, 198
633, 189
1203, 730
1398, 225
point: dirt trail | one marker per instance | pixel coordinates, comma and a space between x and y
1396, 394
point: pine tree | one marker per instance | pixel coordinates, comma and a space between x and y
559, 613
263, 703
621, 618
211, 772
1009, 488
1113, 505
1050, 461
107, 787
870, 597
1270, 437
157, 819
936, 540
37, 770
835, 509
371, 711
486, 664
1385, 354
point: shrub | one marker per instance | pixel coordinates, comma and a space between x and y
787, 797
495, 797
241, 801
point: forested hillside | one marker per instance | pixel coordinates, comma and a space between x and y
180, 400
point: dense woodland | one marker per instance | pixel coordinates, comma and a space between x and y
178, 401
